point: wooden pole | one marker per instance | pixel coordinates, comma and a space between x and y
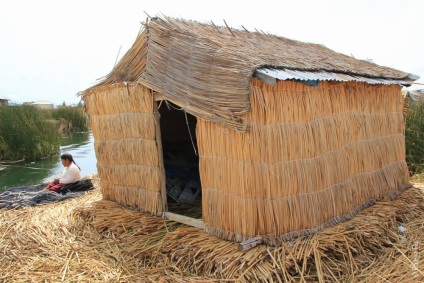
198, 223
249, 243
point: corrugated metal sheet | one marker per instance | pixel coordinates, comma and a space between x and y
285, 74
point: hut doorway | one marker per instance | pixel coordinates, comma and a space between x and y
181, 161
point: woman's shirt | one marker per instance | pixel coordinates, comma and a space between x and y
70, 175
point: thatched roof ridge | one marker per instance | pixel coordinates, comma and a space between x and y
263, 49
206, 69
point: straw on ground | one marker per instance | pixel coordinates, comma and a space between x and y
90, 239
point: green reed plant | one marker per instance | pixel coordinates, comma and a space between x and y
24, 133
414, 136
74, 114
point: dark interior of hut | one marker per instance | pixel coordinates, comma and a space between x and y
181, 161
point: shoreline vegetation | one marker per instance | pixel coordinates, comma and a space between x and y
28, 133
414, 136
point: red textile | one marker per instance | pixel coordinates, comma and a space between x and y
55, 186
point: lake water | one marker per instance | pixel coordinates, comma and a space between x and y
80, 145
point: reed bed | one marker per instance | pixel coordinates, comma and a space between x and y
73, 114
94, 240
414, 136
124, 128
314, 156
25, 134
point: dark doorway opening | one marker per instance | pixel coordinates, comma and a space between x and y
181, 162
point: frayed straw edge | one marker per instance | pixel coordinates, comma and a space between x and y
275, 241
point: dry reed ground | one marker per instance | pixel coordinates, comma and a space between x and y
92, 240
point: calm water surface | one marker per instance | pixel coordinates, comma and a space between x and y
80, 145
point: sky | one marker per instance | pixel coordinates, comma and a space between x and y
51, 50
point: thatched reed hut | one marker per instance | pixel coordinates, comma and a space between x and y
42, 104
4, 101
291, 137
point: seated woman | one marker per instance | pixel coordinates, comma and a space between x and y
70, 174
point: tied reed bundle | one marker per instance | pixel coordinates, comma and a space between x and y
124, 128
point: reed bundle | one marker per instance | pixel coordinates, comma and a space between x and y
137, 151
117, 99
94, 240
124, 128
314, 156
124, 125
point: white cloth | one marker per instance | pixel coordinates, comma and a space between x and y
70, 175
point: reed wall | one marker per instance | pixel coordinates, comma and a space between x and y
314, 156
124, 128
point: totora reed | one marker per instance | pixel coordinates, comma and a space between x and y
93, 240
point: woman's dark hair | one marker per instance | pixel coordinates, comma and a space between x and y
69, 157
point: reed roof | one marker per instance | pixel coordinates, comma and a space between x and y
206, 68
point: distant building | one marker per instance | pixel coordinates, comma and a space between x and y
416, 94
43, 104
4, 101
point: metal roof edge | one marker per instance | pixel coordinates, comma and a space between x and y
270, 75
413, 77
